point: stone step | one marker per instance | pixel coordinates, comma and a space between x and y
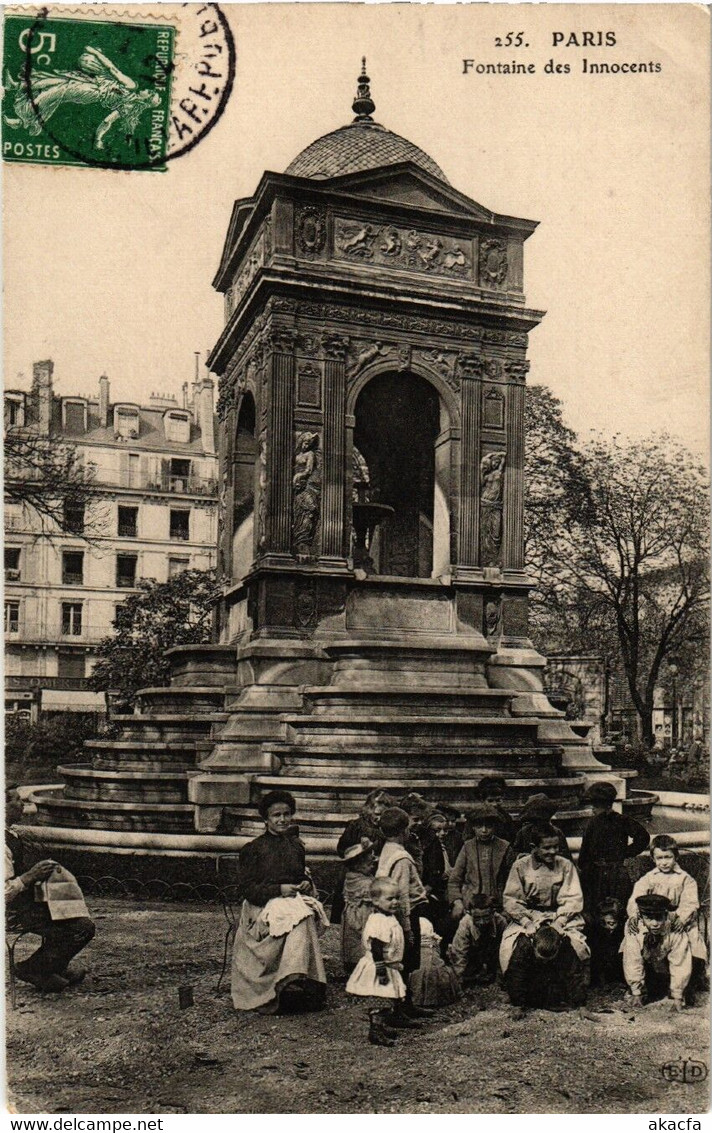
55, 810
352, 733
321, 796
214, 665
168, 727
83, 782
194, 699
401, 762
145, 765
382, 699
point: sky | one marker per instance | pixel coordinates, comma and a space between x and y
110, 272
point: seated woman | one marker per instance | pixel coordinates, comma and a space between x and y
277, 963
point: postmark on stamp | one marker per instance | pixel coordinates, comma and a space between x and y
113, 93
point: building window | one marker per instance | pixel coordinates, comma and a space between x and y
73, 568
134, 474
126, 570
180, 525
126, 422
70, 664
75, 417
179, 475
128, 522
73, 518
71, 619
177, 565
14, 412
177, 426
12, 564
12, 617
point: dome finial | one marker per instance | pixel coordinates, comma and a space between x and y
363, 105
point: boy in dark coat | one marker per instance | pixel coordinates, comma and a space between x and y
608, 839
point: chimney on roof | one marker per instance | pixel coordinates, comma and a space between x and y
185, 395
206, 414
42, 394
104, 401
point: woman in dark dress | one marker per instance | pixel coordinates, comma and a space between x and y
277, 962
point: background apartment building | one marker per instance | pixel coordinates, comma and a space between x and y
154, 514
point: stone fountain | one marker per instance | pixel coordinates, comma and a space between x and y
375, 321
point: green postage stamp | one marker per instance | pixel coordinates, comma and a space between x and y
86, 92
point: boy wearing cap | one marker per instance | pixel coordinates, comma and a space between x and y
538, 808
657, 959
482, 864
608, 839
491, 790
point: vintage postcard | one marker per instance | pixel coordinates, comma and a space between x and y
356, 594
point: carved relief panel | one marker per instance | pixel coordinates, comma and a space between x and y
310, 232
246, 272
309, 386
493, 408
492, 465
402, 248
493, 263
306, 494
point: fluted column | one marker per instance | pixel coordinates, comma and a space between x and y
334, 446
514, 494
468, 542
281, 433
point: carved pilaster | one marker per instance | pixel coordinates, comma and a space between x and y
334, 457
470, 487
281, 433
514, 497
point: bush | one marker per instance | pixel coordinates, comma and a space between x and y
53, 740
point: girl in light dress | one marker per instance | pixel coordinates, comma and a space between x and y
378, 972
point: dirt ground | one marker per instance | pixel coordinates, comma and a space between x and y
119, 1042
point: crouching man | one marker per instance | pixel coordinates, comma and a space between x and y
657, 959
46, 899
544, 955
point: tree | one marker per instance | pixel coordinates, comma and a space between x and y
635, 556
554, 486
49, 478
161, 615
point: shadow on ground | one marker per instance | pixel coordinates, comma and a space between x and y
119, 1043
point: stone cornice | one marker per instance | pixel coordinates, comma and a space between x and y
449, 317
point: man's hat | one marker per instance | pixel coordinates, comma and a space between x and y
600, 793
538, 806
358, 849
653, 904
481, 812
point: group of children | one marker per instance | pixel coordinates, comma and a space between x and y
427, 906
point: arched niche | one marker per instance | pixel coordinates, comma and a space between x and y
402, 428
244, 453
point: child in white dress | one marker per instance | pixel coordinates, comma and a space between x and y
378, 972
